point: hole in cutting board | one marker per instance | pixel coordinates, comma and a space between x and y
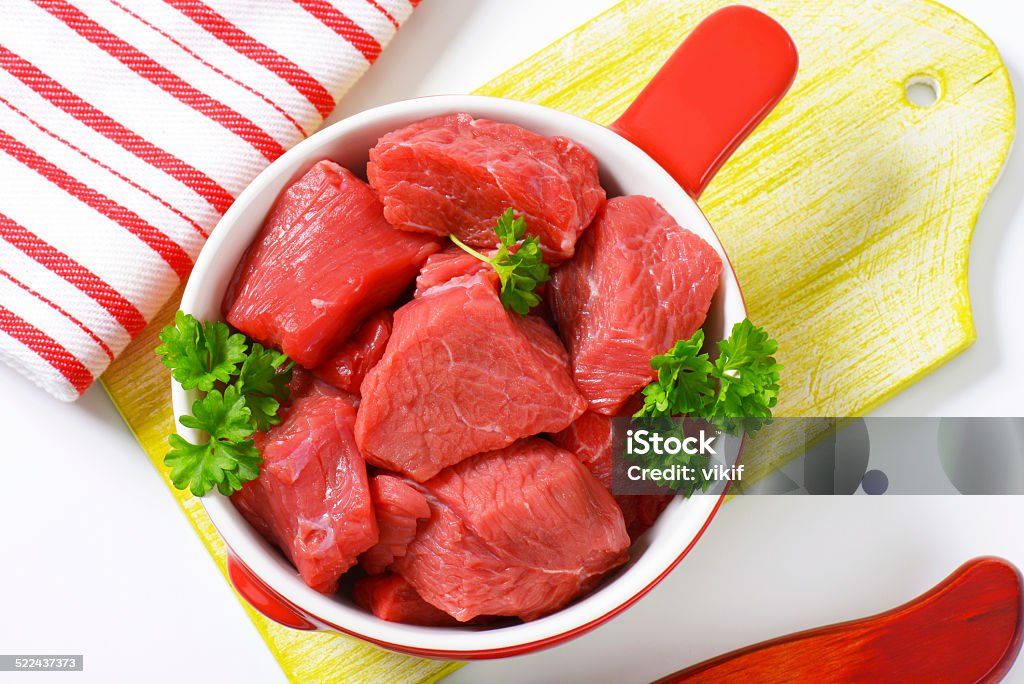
923, 91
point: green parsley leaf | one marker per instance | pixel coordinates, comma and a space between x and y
221, 415
748, 377
510, 229
239, 462
199, 467
684, 385
519, 263
228, 459
200, 355
245, 386
737, 392
186, 461
263, 382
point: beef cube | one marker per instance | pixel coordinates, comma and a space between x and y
456, 174
312, 499
517, 532
325, 259
462, 376
637, 284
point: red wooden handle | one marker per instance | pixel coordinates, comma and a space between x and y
264, 599
713, 91
966, 629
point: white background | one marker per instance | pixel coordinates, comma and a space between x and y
96, 559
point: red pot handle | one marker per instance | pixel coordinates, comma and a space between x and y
713, 91
968, 628
264, 599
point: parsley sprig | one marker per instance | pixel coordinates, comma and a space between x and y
200, 355
736, 392
245, 385
521, 271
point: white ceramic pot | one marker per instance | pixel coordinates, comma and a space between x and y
720, 83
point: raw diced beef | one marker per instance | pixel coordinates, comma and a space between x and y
347, 367
456, 174
549, 348
518, 532
637, 284
311, 498
590, 438
399, 508
305, 383
461, 376
449, 264
391, 598
641, 511
325, 259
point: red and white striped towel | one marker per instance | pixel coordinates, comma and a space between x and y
126, 129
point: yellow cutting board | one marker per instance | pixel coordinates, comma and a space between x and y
847, 216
